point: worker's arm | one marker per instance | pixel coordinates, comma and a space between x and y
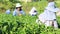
53, 10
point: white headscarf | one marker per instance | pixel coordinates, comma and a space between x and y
51, 7
32, 11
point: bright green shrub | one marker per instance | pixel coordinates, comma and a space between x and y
23, 25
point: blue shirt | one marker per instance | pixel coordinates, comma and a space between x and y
8, 12
21, 12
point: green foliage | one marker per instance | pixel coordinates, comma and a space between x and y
24, 24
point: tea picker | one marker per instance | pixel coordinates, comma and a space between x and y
18, 11
49, 15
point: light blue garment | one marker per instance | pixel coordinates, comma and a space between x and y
8, 11
50, 11
15, 12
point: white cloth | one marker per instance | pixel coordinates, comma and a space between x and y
49, 14
47, 23
32, 11
42, 17
51, 11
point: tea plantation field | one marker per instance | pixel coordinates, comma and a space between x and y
10, 24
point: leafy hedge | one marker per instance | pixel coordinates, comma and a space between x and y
23, 25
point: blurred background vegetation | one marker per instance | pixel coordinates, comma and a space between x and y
27, 4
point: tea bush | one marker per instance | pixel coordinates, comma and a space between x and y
23, 25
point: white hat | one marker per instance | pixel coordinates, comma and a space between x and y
33, 9
18, 5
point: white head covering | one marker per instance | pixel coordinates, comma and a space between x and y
51, 7
32, 11
18, 5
